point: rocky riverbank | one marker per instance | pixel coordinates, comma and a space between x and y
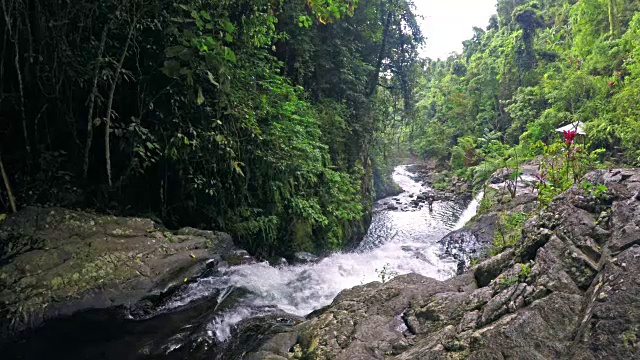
476, 240
446, 188
567, 289
56, 262
458, 190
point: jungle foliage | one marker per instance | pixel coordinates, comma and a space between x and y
263, 118
537, 66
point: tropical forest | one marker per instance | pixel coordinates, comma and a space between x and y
303, 179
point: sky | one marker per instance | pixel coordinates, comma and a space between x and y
447, 23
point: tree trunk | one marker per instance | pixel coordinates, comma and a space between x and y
15, 38
107, 124
92, 98
612, 16
12, 200
383, 49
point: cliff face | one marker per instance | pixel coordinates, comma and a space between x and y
569, 289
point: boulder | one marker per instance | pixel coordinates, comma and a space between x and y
56, 262
302, 257
500, 176
238, 257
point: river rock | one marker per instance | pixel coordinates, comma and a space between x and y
238, 257
248, 335
500, 176
56, 262
568, 289
302, 257
278, 262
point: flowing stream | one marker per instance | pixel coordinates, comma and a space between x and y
398, 242
403, 238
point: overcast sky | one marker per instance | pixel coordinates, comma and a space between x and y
449, 22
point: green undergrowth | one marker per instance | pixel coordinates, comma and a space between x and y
508, 231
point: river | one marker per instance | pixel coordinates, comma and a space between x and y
399, 241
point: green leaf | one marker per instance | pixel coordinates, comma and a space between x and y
205, 15
200, 98
211, 79
236, 167
227, 25
229, 55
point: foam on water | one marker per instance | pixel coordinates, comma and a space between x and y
403, 241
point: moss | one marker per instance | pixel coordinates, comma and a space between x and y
69, 281
169, 236
56, 283
301, 234
508, 231
629, 338
489, 200
313, 345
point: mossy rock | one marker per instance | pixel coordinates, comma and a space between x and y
56, 261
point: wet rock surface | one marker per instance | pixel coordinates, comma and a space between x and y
56, 262
304, 258
568, 289
474, 240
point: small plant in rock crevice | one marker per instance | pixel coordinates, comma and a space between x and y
506, 281
385, 274
562, 165
597, 192
508, 231
474, 261
525, 270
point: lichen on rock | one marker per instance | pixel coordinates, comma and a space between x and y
55, 262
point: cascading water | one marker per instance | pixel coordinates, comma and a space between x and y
400, 241
470, 211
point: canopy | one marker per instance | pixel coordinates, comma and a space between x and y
577, 126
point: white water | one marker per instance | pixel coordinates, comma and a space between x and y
470, 211
403, 241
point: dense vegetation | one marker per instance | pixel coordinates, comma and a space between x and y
263, 118
537, 66
271, 119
